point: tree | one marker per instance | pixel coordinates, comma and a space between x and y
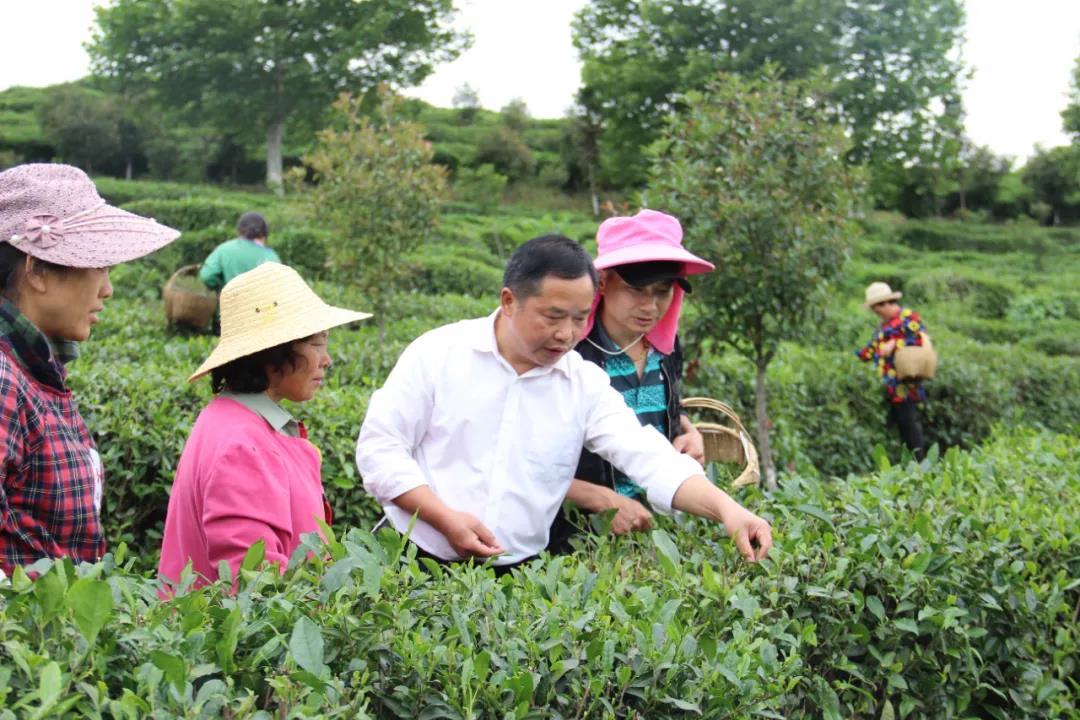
891, 62
1054, 178
253, 68
504, 148
467, 102
377, 190
580, 149
980, 178
515, 115
757, 176
83, 125
1070, 116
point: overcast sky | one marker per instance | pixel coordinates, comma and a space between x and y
1021, 51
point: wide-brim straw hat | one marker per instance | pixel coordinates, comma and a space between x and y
879, 292
54, 213
269, 306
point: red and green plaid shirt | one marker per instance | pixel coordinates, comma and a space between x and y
905, 329
50, 471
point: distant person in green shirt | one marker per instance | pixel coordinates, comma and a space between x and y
237, 256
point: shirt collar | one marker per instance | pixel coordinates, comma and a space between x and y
484, 340
64, 350
30, 346
270, 411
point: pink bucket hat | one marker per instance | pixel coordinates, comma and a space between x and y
648, 236
54, 213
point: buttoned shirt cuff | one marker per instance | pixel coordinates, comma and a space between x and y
661, 491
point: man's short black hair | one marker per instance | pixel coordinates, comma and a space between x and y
248, 374
252, 225
554, 255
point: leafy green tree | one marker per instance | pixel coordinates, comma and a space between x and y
981, 174
504, 148
580, 146
757, 176
82, 124
1071, 114
377, 190
1054, 178
467, 102
890, 60
253, 68
515, 115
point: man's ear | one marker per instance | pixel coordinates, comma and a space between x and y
507, 301
33, 277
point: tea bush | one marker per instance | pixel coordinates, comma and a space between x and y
191, 213
944, 589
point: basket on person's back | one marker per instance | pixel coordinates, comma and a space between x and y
187, 301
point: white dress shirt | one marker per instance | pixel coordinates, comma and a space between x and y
455, 416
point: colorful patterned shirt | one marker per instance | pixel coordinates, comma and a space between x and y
50, 470
645, 395
905, 328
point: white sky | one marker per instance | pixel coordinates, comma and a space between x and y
1021, 51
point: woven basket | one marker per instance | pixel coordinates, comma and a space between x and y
726, 444
184, 306
918, 362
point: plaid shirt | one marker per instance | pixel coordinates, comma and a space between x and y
904, 329
50, 473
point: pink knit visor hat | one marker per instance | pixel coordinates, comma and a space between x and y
647, 237
54, 213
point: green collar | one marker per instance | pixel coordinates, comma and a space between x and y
270, 411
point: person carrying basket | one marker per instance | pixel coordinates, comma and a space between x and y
901, 330
237, 256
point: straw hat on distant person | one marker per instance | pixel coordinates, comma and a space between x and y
266, 307
879, 292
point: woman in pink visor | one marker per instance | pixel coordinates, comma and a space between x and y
632, 335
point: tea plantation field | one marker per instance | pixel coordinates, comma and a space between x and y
947, 588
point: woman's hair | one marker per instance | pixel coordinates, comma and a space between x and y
248, 374
252, 225
12, 262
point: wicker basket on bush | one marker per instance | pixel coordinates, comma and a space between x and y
727, 443
186, 305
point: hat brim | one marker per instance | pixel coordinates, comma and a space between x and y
884, 298
241, 346
645, 281
649, 253
104, 237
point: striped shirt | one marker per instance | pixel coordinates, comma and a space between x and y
645, 395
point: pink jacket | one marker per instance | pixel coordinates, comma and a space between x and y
239, 481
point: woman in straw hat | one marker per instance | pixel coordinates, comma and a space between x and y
632, 334
248, 472
899, 328
58, 239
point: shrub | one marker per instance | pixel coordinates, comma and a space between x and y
449, 273
482, 187
943, 589
190, 213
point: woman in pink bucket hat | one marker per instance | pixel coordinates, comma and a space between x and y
632, 334
58, 239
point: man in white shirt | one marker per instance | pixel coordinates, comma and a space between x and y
478, 428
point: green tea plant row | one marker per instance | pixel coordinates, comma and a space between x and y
942, 590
